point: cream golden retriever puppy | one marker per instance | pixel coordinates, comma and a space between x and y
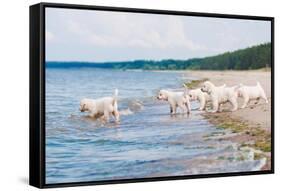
221, 95
175, 99
102, 107
202, 97
198, 95
249, 93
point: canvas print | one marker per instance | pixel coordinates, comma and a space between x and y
138, 95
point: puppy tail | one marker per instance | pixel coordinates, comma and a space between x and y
261, 88
114, 103
185, 90
115, 96
116, 92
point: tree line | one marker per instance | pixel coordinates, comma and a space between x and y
254, 57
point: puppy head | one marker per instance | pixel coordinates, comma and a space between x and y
207, 87
192, 95
84, 106
162, 95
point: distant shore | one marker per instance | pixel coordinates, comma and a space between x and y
252, 124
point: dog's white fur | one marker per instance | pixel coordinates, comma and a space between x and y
250, 93
175, 99
104, 107
202, 97
220, 95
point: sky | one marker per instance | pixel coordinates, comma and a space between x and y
102, 36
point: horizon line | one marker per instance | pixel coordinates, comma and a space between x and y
158, 60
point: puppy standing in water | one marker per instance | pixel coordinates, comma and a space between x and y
220, 95
251, 93
202, 97
102, 107
175, 99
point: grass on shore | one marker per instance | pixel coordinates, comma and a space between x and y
261, 137
195, 83
248, 135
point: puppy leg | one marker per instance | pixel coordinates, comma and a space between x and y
171, 109
246, 101
234, 103
220, 107
106, 116
202, 104
116, 116
174, 109
188, 107
183, 109
215, 106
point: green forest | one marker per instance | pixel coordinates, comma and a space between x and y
254, 57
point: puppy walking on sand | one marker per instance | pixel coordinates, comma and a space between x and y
249, 93
175, 99
221, 95
102, 107
198, 95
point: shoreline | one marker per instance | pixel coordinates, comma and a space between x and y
252, 125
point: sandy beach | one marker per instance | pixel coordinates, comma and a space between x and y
253, 123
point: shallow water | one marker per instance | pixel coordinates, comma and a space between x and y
147, 143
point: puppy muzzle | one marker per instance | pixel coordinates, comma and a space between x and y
82, 109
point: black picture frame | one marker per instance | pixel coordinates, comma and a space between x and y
37, 93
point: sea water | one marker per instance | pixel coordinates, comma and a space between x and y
148, 142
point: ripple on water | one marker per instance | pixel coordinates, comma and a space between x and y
147, 143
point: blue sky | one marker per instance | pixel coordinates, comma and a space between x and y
86, 35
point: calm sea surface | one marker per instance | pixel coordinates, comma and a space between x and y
147, 143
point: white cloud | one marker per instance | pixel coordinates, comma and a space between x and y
103, 36
126, 30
